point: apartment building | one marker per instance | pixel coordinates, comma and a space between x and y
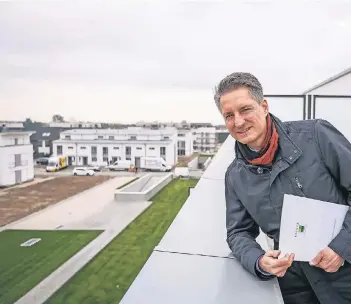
103, 146
185, 142
16, 157
204, 140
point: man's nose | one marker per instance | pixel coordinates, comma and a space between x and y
239, 121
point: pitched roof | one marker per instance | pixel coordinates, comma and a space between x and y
44, 132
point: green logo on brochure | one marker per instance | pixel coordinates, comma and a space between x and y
299, 229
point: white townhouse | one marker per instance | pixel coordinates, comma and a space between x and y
204, 139
16, 157
185, 142
102, 146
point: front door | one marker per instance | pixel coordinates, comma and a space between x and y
85, 160
70, 160
18, 176
137, 162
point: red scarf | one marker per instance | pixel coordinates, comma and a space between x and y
270, 145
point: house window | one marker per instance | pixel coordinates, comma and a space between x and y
115, 148
181, 152
163, 151
67, 136
16, 141
100, 137
128, 150
83, 148
93, 150
59, 150
181, 135
94, 159
17, 160
181, 144
133, 138
151, 148
139, 148
111, 137
165, 137
71, 148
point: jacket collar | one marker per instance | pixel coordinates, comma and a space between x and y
288, 149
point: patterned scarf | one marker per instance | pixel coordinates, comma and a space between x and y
266, 155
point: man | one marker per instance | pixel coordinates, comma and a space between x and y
304, 158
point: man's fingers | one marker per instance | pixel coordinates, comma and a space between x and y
317, 259
279, 271
291, 258
273, 253
284, 262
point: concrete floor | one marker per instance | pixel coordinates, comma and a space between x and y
86, 210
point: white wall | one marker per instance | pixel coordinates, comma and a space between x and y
340, 86
287, 108
7, 164
9, 139
150, 150
335, 110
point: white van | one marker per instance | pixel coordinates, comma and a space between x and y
154, 164
120, 165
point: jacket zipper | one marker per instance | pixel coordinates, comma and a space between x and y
299, 185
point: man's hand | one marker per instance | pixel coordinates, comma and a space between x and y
270, 263
328, 260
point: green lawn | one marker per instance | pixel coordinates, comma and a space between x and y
22, 268
106, 278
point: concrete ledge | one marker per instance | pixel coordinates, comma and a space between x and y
143, 189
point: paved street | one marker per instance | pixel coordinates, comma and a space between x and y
40, 171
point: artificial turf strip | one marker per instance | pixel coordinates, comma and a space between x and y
108, 276
22, 268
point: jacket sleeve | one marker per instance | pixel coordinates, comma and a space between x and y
336, 153
242, 232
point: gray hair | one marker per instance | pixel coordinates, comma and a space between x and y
236, 81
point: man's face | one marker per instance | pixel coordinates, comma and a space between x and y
244, 117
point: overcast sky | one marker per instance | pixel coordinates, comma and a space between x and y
124, 61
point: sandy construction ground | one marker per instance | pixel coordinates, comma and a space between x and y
76, 209
18, 202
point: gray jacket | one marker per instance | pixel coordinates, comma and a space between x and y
314, 160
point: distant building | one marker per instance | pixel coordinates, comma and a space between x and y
42, 139
16, 157
204, 140
12, 125
185, 142
72, 125
102, 146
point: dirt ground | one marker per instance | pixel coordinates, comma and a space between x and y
16, 203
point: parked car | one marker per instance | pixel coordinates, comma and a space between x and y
83, 171
42, 161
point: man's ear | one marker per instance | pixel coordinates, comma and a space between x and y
265, 107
